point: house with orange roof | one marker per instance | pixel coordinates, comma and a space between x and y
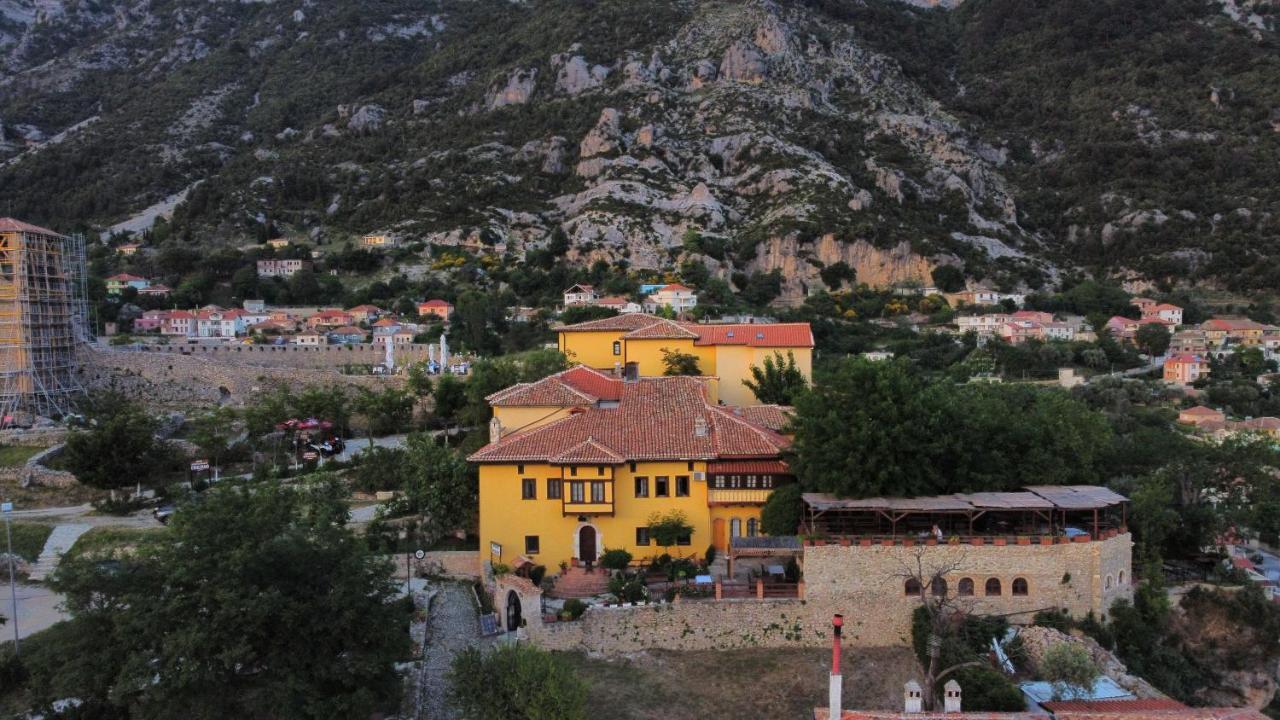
1185, 369
636, 343
349, 335
675, 296
329, 318
1200, 415
579, 461
116, 284
365, 313
442, 309
1219, 331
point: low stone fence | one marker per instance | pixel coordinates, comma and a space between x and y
34, 473
33, 437
451, 563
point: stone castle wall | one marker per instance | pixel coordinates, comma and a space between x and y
324, 357
867, 586
182, 381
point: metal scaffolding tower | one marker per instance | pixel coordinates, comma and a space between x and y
43, 320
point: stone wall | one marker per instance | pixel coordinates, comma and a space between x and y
863, 583
325, 357
34, 472
177, 380
451, 563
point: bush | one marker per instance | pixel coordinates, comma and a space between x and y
615, 559
537, 573
1056, 619
1071, 670
711, 554
783, 511
986, 690
575, 608
516, 682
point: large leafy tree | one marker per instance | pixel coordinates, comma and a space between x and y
1153, 339
778, 382
675, 362
879, 428
518, 682
385, 412
255, 603
440, 486
118, 448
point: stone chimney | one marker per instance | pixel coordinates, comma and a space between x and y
495, 429
951, 697
912, 698
700, 427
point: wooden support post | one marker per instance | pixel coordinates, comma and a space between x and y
760, 588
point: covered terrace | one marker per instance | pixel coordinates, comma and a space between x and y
1070, 511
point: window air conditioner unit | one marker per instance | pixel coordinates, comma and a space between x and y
700, 476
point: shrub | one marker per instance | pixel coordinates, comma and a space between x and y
517, 682
986, 690
711, 554
500, 569
1070, 668
1056, 619
615, 559
783, 511
537, 573
575, 608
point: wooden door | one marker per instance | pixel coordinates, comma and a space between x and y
717, 534
587, 544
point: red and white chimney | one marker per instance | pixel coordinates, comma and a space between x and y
834, 700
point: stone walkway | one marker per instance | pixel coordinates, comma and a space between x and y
452, 624
60, 541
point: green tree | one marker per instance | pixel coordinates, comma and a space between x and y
948, 278
1070, 669
582, 313
1152, 338
386, 412
254, 600
779, 382
783, 511
213, 431
118, 449
669, 528
675, 362
440, 486
515, 682
450, 397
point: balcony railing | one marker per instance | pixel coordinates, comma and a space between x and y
728, 496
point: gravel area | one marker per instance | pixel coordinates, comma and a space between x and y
452, 624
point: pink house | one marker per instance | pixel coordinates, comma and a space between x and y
1185, 369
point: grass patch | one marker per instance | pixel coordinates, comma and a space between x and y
17, 455
29, 498
29, 539
101, 540
784, 682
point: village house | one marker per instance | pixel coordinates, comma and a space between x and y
987, 296
1201, 415
1144, 304
1170, 314
1238, 331
675, 296
151, 321
1185, 369
1191, 342
349, 335
128, 249
377, 241
580, 295
1058, 331
285, 268
179, 323
329, 318
158, 290
365, 313
579, 461
214, 322
1035, 316
402, 336
1122, 328
441, 309
278, 243
982, 325
1016, 332
621, 305
309, 338
116, 284
522, 314
635, 344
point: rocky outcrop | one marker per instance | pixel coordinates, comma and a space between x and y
369, 118
574, 75
800, 263
743, 62
516, 91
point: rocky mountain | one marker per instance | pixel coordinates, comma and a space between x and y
867, 138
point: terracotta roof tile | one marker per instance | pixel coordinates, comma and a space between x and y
663, 328
633, 321
8, 224
754, 335
588, 452
774, 417
665, 418
1113, 706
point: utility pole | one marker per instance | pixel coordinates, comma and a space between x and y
7, 508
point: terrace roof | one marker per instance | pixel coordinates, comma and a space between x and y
1035, 498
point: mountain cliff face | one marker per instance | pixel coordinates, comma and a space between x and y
1137, 138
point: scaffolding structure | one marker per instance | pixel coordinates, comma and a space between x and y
43, 321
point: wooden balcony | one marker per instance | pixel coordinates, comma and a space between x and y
737, 496
587, 502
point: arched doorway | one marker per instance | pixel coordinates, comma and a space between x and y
513, 611
587, 543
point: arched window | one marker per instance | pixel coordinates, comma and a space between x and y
1120, 579
1107, 586
1019, 586
735, 527
993, 586
912, 587
966, 587
939, 586
753, 527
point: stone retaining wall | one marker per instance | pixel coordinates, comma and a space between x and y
33, 437
176, 380
865, 584
452, 563
34, 473
323, 357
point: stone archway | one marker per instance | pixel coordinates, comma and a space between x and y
590, 532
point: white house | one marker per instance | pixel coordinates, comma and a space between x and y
983, 325
580, 295
675, 296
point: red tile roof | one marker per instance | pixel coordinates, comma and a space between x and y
662, 329
673, 287
588, 452
593, 382
573, 387
436, 303
1113, 706
1202, 411
774, 417
755, 335
666, 418
763, 467
8, 224
624, 323
1230, 324
125, 277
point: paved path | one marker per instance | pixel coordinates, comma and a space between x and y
80, 515
452, 625
59, 541
38, 608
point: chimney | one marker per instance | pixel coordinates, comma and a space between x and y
495, 429
951, 697
700, 427
912, 698
631, 372
617, 369
835, 706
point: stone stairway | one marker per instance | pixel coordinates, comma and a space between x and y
576, 582
60, 541
719, 568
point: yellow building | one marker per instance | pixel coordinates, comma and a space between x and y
727, 352
580, 461
377, 241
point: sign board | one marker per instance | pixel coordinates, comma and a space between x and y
495, 549
310, 455
6, 507
199, 465
419, 554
